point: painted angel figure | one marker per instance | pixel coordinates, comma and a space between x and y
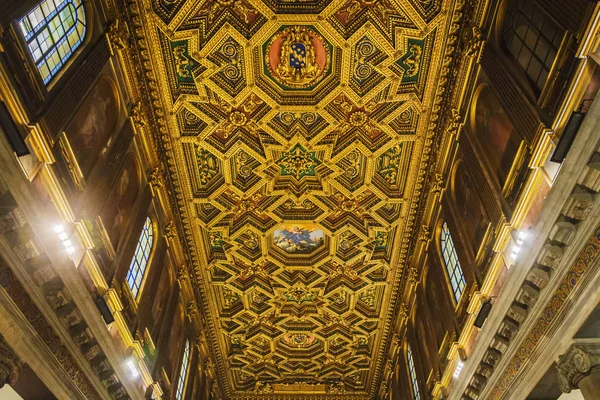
297, 239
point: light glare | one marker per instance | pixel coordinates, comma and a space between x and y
458, 369
133, 369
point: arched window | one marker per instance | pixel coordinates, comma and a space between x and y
413, 375
453, 268
139, 263
53, 30
532, 38
183, 372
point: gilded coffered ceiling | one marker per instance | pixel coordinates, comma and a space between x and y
296, 134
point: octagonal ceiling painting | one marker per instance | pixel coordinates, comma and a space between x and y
297, 131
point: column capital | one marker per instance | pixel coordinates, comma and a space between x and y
10, 364
577, 363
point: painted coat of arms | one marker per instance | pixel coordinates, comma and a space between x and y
297, 57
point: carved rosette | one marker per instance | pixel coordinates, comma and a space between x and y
577, 364
10, 364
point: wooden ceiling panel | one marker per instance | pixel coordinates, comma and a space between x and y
298, 131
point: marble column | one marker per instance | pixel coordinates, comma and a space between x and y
10, 364
579, 368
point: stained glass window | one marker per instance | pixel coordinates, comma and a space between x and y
139, 263
413, 375
453, 268
532, 38
183, 372
53, 30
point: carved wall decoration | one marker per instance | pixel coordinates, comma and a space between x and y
549, 258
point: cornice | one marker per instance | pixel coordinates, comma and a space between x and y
56, 345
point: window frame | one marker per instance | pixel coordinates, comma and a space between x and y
412, 373
183, 371
44, 17
559, 47
149, 227
448, 248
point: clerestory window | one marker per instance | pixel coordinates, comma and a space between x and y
53, 30
139, 263
453, 268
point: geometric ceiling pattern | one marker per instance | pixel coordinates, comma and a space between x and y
297, 130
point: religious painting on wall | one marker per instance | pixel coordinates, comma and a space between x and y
161, 298
471, 211
424, 336
298, 238
175, 342
496, 132
119, 204
432, 288
96, 120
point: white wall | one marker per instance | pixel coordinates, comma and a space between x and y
7, 393
574, 395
